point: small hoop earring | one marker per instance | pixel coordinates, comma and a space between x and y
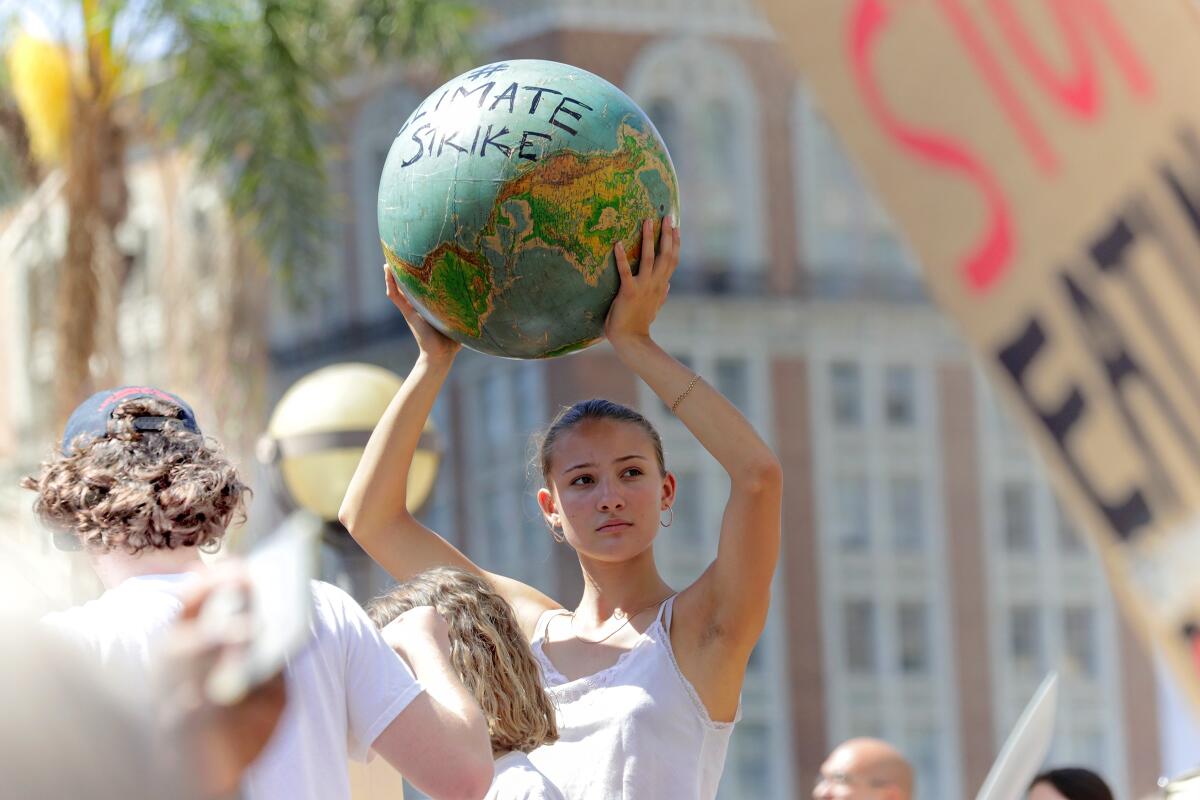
556, 533
670, 519
210, 546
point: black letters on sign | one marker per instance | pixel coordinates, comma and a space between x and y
1017, 356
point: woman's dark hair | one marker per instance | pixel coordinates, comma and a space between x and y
1075, 783
595, 409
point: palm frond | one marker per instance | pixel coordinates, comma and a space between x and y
241, 93
249, 86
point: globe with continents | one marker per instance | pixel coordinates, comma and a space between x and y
502, 197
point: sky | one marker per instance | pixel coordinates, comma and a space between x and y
62, 19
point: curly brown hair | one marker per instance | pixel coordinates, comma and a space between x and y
487, 650
131, 490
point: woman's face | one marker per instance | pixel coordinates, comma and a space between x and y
1043, 791
606, 492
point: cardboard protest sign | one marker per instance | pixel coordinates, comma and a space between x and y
1043, 158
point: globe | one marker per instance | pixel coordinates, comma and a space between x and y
502, 197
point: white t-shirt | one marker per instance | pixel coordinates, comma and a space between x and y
344, 687
120, 626
518, 779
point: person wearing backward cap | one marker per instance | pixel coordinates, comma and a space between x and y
143, 492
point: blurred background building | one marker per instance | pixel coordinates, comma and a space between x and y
928, 578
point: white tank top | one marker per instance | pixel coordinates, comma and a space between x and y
634, 730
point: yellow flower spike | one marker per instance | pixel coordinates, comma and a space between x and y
99, 40
41, 83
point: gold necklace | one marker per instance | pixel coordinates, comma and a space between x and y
613, 632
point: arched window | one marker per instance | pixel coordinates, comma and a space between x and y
846, 236
705, 107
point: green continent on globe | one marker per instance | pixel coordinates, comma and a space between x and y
581, 204
502, 198
453, 283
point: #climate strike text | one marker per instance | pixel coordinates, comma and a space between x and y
560, 111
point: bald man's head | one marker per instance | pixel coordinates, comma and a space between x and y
865, 769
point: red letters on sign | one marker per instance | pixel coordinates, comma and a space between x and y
1079, 90
993, 73
986, 262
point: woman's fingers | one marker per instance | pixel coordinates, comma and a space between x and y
395, 295
623, 268
646, 262
669, 246
666, 241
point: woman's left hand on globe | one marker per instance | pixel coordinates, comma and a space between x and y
642, 295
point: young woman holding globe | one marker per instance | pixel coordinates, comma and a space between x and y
646, 679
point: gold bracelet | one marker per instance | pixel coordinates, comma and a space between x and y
686, 392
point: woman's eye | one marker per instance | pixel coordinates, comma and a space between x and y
582, 480
632, 472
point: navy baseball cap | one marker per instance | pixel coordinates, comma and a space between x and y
90, 418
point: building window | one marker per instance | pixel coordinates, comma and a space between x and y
860, 636
864, 720
1070, 538
687, 524
923, 746
845, 379
908, 525
1025, 640
752, 754
1079, 635
913, 618
1091, 750
853, 515
1017, 511
733, 381
846, 233
899, 396
704, 105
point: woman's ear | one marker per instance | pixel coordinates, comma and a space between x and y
668, 491
549, 509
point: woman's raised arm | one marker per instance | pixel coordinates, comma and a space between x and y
731, 598
375, 508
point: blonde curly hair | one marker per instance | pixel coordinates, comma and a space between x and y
131, 490
487, 650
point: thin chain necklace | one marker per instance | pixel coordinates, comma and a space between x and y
614, 631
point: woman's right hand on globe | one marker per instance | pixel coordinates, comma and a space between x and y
433, 343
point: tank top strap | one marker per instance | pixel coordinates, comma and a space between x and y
664, 611
539, 630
